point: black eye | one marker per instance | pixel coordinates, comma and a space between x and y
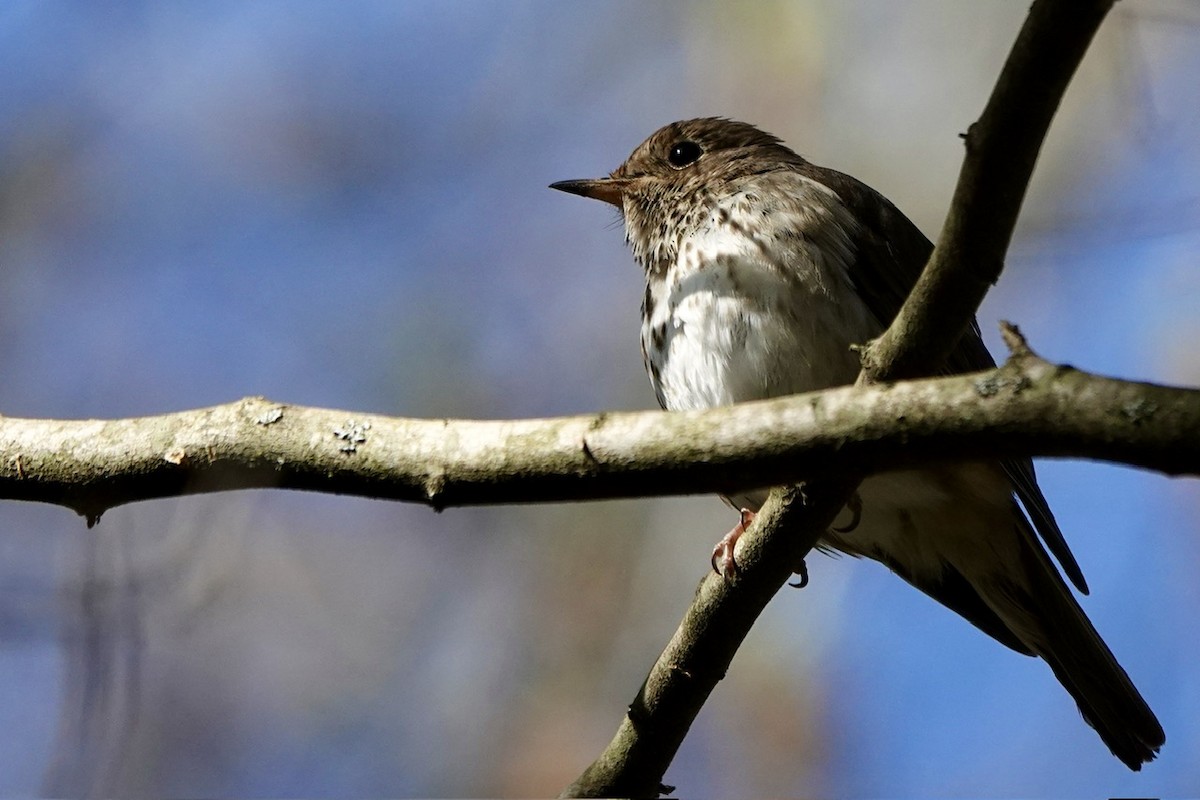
684, 153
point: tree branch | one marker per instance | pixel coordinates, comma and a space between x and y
1027, 406
1002, 148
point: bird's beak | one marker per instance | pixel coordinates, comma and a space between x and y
610, 190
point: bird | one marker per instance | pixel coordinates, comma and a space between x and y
762, 271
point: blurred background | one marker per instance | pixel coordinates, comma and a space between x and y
345, 205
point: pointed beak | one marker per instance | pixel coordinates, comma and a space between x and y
610, 190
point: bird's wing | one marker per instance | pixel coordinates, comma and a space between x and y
892, 253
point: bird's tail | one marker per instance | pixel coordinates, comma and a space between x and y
1045, 616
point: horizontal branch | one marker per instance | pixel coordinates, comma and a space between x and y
1026, 407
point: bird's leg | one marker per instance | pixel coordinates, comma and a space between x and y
722, 555
723, 562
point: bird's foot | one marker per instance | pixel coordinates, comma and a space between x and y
722, 560
801, 570
855, 506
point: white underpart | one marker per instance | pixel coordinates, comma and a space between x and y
738, 325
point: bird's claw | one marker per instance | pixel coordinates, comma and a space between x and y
802, 571
855, 506
722, 560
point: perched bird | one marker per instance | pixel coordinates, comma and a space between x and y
762, 270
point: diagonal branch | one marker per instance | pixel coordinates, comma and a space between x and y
1002, 148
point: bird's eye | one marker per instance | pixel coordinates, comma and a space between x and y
684, 153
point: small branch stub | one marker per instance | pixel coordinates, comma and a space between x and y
1015, 341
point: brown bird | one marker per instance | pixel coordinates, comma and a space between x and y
762, 270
